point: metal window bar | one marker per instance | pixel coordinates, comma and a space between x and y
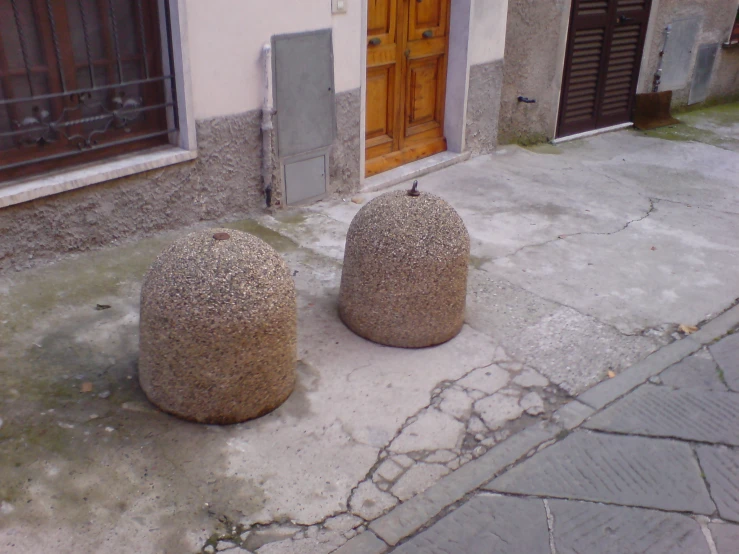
102, 110
93, 148
114, 27
57, 50
102, 117
142, 34
84, 91
86, 33
22, 40
170, 49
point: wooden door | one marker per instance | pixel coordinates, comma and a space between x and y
602, 63
407, 48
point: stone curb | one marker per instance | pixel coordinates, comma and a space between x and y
571, 415
718, 327
413, 514
606, 392
366, 543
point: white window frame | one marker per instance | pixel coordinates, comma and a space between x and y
182, 147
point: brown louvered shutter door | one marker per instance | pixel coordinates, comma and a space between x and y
602, 63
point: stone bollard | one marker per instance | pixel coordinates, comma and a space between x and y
404, 281
218, 340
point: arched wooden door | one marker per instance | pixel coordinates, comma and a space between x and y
407, 51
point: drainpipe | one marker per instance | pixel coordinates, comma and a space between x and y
658, 73
267, 113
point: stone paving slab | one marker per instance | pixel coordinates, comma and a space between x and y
632, 471
698, 371
584, 527
690, 414
718, 327
486, 524
726, 354
726, 537
721, 467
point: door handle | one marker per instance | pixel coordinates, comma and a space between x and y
624, 18
428, 34
407, 53
375, 41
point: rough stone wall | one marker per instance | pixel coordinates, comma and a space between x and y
223, 182
717, 19
532, 69
483, 107
345, 154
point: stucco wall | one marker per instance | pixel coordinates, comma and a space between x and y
345, 153
226, 39
221, 182
487, 31
717, 18
534, 56
476, 48
483, 107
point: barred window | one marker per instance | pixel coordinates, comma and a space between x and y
82, 80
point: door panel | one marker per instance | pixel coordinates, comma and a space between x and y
382, 20
579, 100
423, 110
381, 119
406, 81
602, 63
383, 75
427, 16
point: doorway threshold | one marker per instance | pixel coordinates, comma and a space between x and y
413, 170
593, 133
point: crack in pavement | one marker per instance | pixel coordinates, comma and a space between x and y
643, 333
550, 526
563, 237
697, 206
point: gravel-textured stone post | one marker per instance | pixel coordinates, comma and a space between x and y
218, 328
404, 281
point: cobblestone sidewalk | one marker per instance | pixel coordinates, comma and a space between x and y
644, 463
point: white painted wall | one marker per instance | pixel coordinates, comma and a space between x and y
226, 38
488, 27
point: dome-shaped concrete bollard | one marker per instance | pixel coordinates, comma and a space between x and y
218, 328
404, 281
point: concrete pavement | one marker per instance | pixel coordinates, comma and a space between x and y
586, 259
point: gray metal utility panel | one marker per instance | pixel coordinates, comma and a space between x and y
678, 56
304, 91
303, 67
704, 62
306, 178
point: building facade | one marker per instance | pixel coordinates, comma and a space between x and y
159, 122
584, 60
119, 118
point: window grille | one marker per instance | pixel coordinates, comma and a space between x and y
82, 80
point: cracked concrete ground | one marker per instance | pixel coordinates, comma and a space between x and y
586, 258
